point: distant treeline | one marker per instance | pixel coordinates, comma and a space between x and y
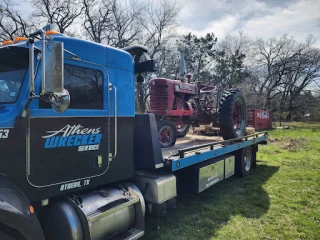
280, 74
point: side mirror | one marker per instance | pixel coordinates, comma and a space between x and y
54, 67
52, 72
54, 76
60, 102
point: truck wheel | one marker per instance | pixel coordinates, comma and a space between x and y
243, 162
6, 236
182, 130
167, 133
232, 115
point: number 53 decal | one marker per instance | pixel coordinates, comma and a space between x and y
4, 133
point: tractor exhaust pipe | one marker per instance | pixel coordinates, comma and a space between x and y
181, 65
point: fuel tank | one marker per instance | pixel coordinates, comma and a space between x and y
103, 214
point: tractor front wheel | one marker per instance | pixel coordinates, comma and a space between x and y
182, 130
167, 133
232, 115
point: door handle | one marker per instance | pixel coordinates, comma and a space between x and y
115, 120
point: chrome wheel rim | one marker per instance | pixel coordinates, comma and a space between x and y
182, 128
165, 135
239, 122
247, 160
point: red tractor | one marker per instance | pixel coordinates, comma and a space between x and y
177, 105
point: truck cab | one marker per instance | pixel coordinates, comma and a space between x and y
43, 150
59, 138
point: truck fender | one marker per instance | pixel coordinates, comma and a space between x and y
15, 211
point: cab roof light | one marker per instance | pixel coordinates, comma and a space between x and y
19, 39
51, 32
7, 42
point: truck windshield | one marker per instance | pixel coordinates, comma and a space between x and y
13, 69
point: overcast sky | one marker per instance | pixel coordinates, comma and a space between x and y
256, 18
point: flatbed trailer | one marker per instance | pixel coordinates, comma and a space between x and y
194, 164
194, 150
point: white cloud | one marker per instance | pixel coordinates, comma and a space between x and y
257, 19
226, 24
298, 20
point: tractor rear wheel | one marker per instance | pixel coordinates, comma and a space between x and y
167, 133
232, 114
182, 130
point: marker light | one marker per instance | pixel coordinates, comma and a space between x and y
19, 39
31, 209
51, 32
7, 42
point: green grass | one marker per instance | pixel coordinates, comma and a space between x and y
279, 200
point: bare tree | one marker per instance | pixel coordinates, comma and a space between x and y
159, 29
282, 71
232, 43
305, 69
159, 23
62, 13
12, 24
98, 20
126, 27
112, 22
273, 58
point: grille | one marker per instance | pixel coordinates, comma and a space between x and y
159, 97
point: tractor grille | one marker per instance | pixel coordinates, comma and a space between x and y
159, 98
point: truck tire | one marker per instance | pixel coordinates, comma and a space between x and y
254, 149
4, 235
243, 162
232, 114
183, 130
167, 133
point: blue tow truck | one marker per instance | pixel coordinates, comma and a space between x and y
76, 161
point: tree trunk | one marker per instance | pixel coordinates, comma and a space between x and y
141, 98
289, 115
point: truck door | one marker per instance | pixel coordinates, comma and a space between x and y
73, 145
